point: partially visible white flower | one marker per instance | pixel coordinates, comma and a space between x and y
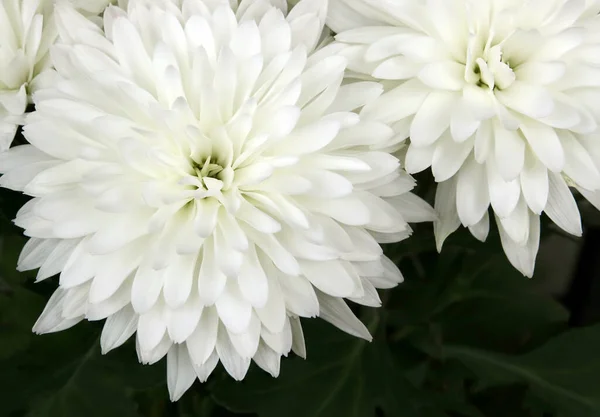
499, 97
27, 31
200, 179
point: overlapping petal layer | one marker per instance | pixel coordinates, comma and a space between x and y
499, 98
27, 30
200, 179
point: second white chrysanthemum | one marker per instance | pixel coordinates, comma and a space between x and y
201, 180
499, 98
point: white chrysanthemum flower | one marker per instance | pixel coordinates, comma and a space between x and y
199, 179
27, 31
499, 97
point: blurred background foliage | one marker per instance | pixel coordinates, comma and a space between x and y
464, 336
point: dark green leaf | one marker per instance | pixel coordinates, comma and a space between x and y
64, 375
341, 377
564, 373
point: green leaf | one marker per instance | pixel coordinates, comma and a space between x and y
64, 375
564, 373
341, 377
19, 309
10, 248
509, 313
469, 302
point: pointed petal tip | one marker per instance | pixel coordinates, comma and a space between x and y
440, 238
367, 336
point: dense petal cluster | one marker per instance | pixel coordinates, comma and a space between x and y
200, 179
500, 99
27, 31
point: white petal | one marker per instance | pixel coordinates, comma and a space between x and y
246, 343
531, 100
152, 327
105, 308
234, 310
258, 219
267, 359
300, 297
35, 253
234, 364
180, 371
112, 272
277, 254
355, 95
298, 345
202, 342
432, 119
481, 229
211, 281
504, 195
252, 280
184, 320
345, 15
57, 260
51, 319
562, 208
449, 156
179, 276
280, 342
523, 256
545, 144
419, 158
273, 314
118, 328
147, 285
203, 371
76, 303
398, 103
413, 208
331, 277
444, 75
463, 122
396, 68
19, 156
335, 311
472, 195
445, 205
579, 165
509, 150
516, 224
152, 356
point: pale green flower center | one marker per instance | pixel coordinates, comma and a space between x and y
486, 65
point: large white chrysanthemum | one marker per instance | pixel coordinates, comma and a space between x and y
27, 31
199, 179
499, 97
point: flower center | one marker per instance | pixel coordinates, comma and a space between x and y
208, 177
485, 64
207, 169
